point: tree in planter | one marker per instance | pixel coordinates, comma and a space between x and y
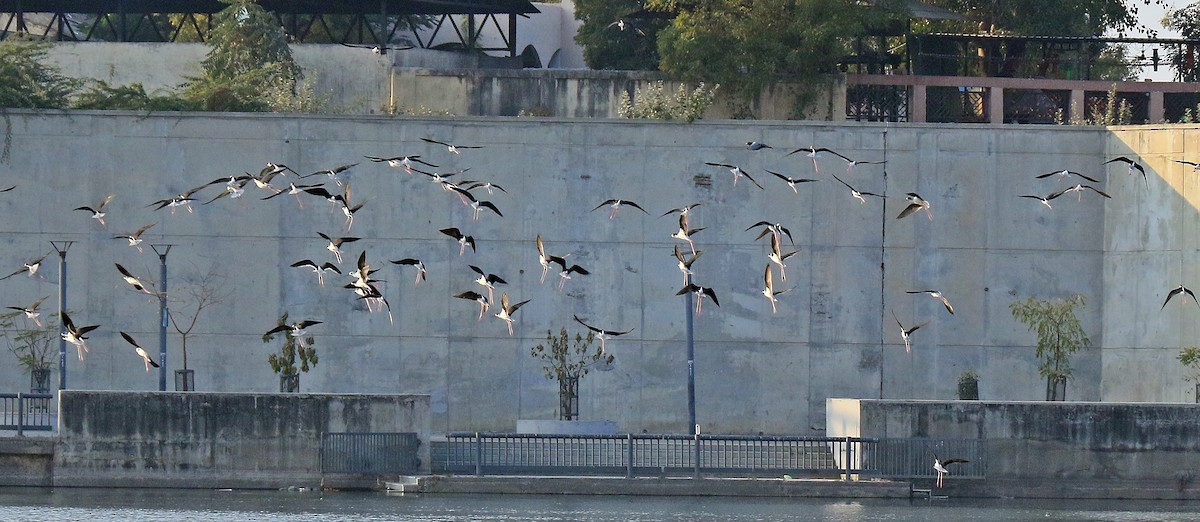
566, 363
203, 292
968, 385
31, 344
1059, 335
1190, 358
293, 349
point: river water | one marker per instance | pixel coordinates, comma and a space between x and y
103, 505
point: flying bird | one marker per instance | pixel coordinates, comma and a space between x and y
335, 244
545, 259
915, 203
757, 145
683, 211
778, 258
737, 171
76, 335
790, 180
133, 281
940, 467
814, 153
775, 229
564, 272
1078, 190
616, 205
1179, 290
486, 280
484, 302
486, 185
317, 269
701, 292
685, 233
1133, 165
685, 265
183, 199
140, 351
857, 194
622, 25
769, 288
1046, 199
297, 330
600, 333
1066, 174
463, 239
31, 312
401, 162
413, 262
452, 148
1195, 166
135, 239
506, 311
936, 295
334, 174
476, 205
98, 210
906, 332
31, 267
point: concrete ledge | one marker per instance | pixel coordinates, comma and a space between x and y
705, 487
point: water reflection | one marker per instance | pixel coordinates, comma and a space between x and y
102, 505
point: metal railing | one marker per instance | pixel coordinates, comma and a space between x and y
682, 455
26, 411
370, 453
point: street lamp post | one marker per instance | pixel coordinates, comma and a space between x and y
61, 247
162, 251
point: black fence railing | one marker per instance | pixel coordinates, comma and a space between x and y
26, 411
682, 455
370, 453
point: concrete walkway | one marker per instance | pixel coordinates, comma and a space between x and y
740, 487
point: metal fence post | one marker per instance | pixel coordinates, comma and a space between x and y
849, 456
20, 414
478, 454
696, 461
628, 455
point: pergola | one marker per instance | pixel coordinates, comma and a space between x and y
371, 22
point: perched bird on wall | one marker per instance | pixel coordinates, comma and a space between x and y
915, 203
450, 147
135, 239
737, 171
413, 262
1133, 165
906, 332
335, 244
31, 267
701, 292
463, 239
940, 467
133, 280
600, 333
769, 288
31, 312
98, 210
1066, 174
317, 269
140, 351
506, 311
1179, 290
857, 194
401, 162
75, 335
616, 205
936, 295
792, 182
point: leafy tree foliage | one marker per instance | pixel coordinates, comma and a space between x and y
293, 350
1187, 22
1058, 331
746, 45
1039, 17
25, 82
631, 45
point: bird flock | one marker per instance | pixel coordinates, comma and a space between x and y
486, 199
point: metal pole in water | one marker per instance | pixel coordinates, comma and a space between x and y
162, 309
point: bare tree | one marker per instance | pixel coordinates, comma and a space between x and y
197, 294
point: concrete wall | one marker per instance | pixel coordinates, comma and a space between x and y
834, 335
358, 81
1063, 450
217, 439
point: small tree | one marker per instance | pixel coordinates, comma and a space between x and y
1059, 335
293, 350
31, 344
1190, 359
566, 363
203, 292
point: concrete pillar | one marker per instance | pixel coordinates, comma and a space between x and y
1077, 111
996, 104
917, 104
1157, 111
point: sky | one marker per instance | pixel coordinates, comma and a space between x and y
1151, 16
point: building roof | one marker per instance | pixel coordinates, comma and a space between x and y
391, 7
